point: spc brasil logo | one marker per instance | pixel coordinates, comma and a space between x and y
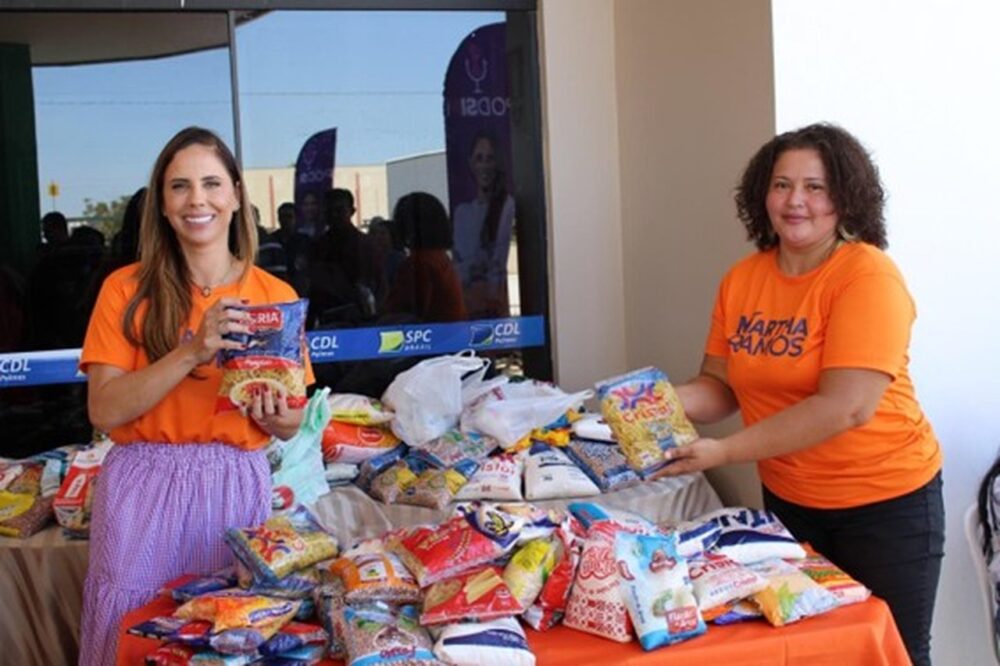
413, 340
502, 333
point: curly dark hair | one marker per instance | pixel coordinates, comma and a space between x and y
851, 175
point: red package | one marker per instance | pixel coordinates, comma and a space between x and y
550, 606
595, 604
477, 595
171, 654
435, 553
350, 443
76, 493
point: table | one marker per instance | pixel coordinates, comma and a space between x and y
41, 578
863, 633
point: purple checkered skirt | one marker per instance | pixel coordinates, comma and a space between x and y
160, 511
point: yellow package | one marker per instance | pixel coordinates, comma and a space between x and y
529, 568
646, 417
237, 609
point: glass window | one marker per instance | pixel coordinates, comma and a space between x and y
379, 148
97, 128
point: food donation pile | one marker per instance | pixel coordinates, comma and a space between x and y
461, 591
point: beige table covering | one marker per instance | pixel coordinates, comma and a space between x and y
41, 578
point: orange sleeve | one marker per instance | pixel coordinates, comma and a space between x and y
869, 325
105, 340
717, 344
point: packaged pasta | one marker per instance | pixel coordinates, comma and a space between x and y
830, 576
390, 484
646, 417
790, 595
435, 488
281, 545
273, 357
479, 594
603, 463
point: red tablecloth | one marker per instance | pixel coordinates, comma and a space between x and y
862, 634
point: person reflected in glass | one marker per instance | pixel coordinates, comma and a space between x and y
809, 341
427, 284
179, 474
483, 228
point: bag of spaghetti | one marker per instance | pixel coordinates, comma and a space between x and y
273, 357
645, 416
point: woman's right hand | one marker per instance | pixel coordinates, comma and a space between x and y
224, 316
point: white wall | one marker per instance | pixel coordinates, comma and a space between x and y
919, 83
584, 207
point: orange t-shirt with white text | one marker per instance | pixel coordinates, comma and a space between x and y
187, 413
778, 332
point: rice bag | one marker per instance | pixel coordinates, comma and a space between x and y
549, 474
718, 580
22, 515
376, 577
477, 594
500, 641
603, 463
435, 488
435, 553
646, 417
376, 633
657, 590
390, 484
751, 535
831, 577
498, 478
358, 409
273, 356
350, 443
281, 545
595, 603
790, 595
529, 567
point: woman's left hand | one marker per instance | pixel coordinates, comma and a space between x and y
270, 411
699, 455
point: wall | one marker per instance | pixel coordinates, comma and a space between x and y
695, 99
584, 207
918, 83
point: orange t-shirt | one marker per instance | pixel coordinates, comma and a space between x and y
777, 333
187, 413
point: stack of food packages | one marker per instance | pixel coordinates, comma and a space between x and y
57, 483
515, 441
260, 610
458, 592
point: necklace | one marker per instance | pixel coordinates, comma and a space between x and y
206, 289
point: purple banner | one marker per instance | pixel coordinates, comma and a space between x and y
313, 177
478, 154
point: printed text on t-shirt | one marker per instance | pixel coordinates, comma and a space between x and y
757, 334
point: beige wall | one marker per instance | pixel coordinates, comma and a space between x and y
652, 108
586, 279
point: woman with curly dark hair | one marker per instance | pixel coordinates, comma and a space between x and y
809, 341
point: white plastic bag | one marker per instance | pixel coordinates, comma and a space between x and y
427, 399
509, 413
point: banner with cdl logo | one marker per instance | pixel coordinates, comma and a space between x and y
326, 346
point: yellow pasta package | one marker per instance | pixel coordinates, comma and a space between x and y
646, 417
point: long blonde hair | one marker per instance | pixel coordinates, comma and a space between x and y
164, 277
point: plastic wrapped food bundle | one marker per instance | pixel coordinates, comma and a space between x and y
656, 589
273, 357
646, 417
281, 545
